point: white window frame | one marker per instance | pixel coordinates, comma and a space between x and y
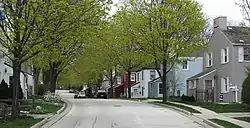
150, 74
225, 55
225, 83
119, 80
132, 77
209, 59
187, 63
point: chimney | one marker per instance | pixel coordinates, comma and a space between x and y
220, 22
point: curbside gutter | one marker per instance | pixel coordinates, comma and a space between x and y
172, 107
214, 125
49, 121
188, 114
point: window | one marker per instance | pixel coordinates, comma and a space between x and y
225, 55
119, 81
209, 59
152, 75
132, 77
244, 53
225, 84
160, 88
185, 65
142, 91
142, 75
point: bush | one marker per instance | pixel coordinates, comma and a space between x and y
4, 90
39, 90
52, 97
188, 98
245, 90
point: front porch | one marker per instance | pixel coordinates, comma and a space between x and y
202, 86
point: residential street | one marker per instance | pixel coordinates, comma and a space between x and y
111, 113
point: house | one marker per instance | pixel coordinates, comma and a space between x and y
176, 78
121, 85
26, 76
224, 67
140, 88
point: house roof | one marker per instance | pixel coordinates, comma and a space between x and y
202, 74
154, 79
134, 84
235, 34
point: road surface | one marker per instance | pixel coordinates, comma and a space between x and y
111, 113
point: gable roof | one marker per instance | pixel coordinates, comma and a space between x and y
236, 33
202, 74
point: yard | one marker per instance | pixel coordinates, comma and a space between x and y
225, 123
22, 122
221, 108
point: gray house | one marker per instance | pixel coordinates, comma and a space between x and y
224, 66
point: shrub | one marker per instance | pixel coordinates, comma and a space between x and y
4, 90
246, 90
52, 97
188, 98
39, 89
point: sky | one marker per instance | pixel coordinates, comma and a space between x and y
215, 8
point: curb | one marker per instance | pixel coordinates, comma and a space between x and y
60, 114
47, 119
214, 125
206, 121
172, 107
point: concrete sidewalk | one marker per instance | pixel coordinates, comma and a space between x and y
208, 114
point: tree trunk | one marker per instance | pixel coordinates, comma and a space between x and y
36, 72
164, 81
129, 84
53, 77
15, 91
111, 84
46, 79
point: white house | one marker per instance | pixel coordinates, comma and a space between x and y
140, 88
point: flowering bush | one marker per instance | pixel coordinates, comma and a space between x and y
37, 110
52, 97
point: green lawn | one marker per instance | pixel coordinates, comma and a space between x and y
181, 107
221, 108
225, 123
247, 119
47, 108
22, 122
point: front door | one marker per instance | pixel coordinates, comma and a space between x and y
209, 91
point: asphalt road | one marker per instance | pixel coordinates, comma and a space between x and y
110, 113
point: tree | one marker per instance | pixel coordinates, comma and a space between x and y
245, 90
169, 30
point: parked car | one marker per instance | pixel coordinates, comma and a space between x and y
71, 91
80, 94
102, 94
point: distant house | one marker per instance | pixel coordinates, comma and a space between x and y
26, 76
140, 88
176, 78
225, 64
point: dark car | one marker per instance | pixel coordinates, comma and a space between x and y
102, 94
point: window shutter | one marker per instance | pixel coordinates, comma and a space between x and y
207, 59
222, 85
228, 83
241, 54
211, 59
227, 54
222, 56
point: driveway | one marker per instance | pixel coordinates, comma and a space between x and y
112, 113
